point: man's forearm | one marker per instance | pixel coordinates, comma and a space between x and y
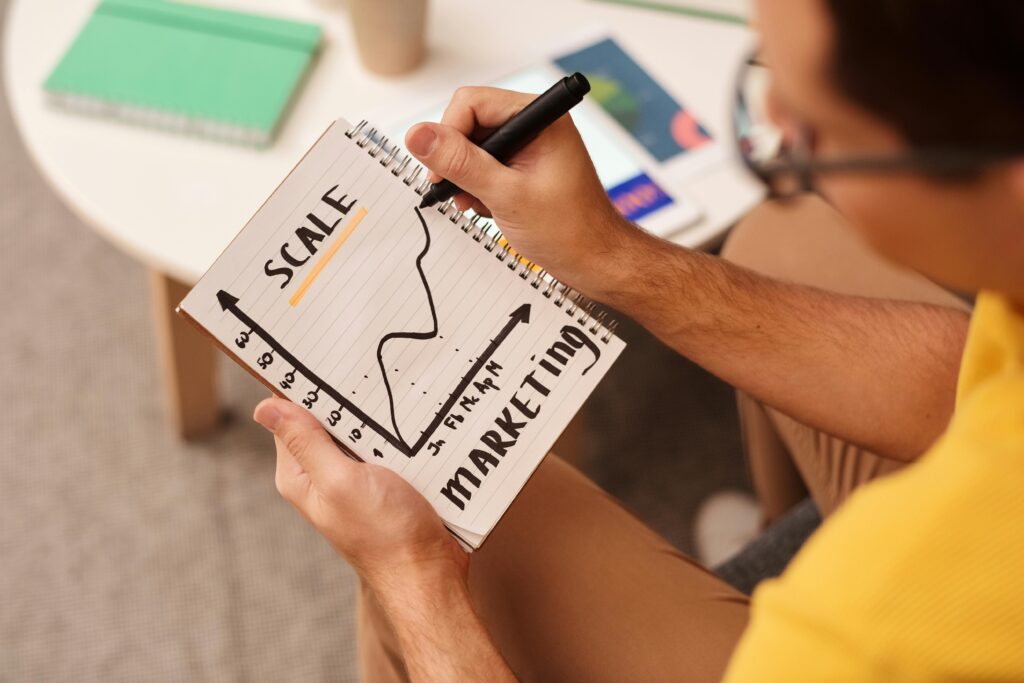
441, 637
881, 374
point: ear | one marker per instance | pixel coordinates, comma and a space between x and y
1015, 176
1015, 240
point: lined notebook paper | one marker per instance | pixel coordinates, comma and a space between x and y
418, 338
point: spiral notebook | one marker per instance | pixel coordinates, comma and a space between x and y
419, 338
185, 67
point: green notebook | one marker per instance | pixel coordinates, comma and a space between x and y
185, 67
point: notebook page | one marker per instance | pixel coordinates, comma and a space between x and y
415, 346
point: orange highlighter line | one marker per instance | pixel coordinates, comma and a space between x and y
325, 259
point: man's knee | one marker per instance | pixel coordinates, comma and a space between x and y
746, 238
802, 240
771, 237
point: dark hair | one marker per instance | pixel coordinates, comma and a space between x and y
942, 72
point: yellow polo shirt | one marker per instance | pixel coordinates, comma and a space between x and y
919, 576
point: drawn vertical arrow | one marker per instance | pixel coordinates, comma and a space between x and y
520, 315
230, 303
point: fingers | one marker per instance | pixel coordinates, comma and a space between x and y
464, 201
299, 433
473, 111
449, 153
290, 479
473, 107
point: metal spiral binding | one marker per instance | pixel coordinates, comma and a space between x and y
404, 166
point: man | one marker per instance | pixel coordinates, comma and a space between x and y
906, 116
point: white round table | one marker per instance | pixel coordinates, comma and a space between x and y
174, 202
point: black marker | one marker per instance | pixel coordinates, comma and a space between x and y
519, 130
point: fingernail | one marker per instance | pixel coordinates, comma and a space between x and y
267, 415
421, 141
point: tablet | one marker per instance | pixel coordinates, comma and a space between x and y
644, 144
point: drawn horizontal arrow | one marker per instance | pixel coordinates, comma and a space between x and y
521, 315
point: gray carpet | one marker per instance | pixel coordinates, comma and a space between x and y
126, 555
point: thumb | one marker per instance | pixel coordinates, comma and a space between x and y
304, 437
450, 154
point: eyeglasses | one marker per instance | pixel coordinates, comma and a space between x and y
784, 160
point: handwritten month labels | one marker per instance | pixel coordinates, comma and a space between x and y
420, 339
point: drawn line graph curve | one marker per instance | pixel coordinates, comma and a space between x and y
519, 316
421, 336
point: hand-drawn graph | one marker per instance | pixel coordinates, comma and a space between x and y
391, 434
409, 335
